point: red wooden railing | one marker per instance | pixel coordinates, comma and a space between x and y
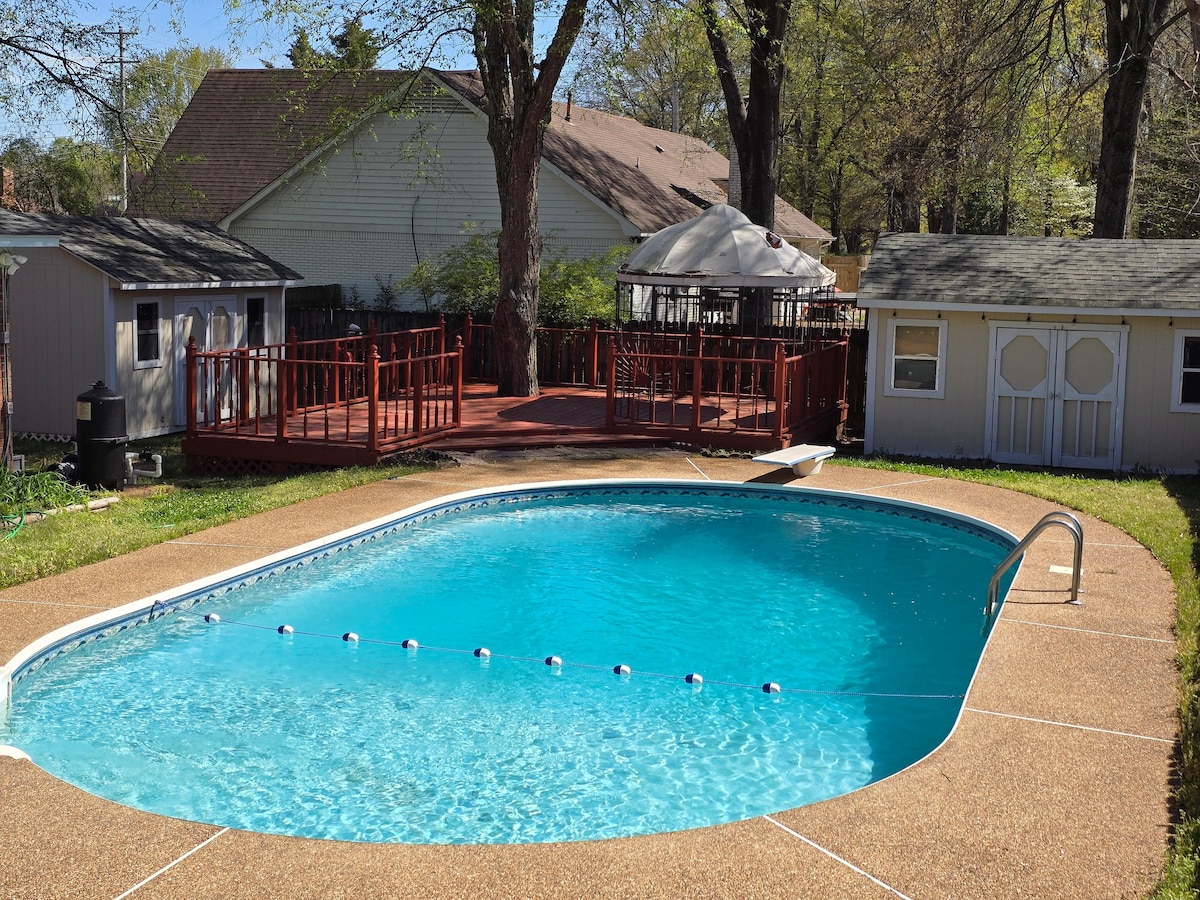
383, 392
342, 391
786, 398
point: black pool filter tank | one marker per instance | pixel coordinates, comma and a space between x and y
101, 437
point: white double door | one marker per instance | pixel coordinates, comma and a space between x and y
1056, 395
213, 324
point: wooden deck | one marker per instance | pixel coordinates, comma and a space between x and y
318, 404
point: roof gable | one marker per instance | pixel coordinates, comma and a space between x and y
1090, 273
149, 252
244, 130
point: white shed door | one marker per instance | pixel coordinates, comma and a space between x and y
1055, 396
213, 323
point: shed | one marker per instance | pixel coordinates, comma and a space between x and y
116, 299
1037, 351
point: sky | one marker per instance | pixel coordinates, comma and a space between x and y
161, 25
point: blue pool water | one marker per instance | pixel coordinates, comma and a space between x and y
868, 616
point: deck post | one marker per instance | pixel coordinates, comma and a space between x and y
458, 381
418, 367
593, 354
781, 402
373, 398
610, 390
293, 356
468, 322
698, 385
190, 377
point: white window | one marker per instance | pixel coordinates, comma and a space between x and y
147, 337
1185, 373
916, 358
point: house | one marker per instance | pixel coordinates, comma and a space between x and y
116, 299
353, 178
1038, 351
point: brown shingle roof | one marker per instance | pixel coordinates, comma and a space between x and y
244, 129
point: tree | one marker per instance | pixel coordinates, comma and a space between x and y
46, 55
518, 90
66, 177
753, 116
1132, 27
656, 68
354, 47
156, 92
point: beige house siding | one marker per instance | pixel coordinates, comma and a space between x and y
954, 426
57, 313
403, 190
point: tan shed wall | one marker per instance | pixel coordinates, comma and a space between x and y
57, 306
953, 427
1154, 436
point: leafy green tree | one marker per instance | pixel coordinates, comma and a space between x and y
354, 47
466, 279
66, 177
653, 66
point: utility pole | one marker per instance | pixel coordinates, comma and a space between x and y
120, 34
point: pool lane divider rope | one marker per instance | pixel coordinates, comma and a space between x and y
557, 662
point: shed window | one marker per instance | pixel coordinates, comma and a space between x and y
916, 358
1186, 372
147, 339
256, 321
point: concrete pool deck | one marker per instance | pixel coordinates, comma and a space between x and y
1055, 783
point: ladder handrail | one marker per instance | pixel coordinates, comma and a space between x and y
1058, 517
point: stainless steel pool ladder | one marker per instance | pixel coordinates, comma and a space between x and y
1058, 517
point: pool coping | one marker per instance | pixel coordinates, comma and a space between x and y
894, 838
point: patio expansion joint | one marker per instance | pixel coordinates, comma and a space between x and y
145, 881
835, 858
1091, 728
228, 546
1095, 631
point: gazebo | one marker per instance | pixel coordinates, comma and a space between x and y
725, 274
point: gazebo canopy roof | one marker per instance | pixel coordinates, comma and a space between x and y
722, 248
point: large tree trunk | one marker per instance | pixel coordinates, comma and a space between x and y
753, 120
1131, 29
518, 91
514, 323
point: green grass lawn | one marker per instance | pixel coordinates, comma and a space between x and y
1163, 513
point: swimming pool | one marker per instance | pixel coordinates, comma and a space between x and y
307, 733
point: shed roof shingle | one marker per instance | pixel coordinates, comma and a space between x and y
153, 252
1087, 273
245, 129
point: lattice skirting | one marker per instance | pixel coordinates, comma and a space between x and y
215, 465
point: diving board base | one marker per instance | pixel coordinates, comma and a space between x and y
803, 459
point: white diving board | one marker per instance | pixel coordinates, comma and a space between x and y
803, 459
